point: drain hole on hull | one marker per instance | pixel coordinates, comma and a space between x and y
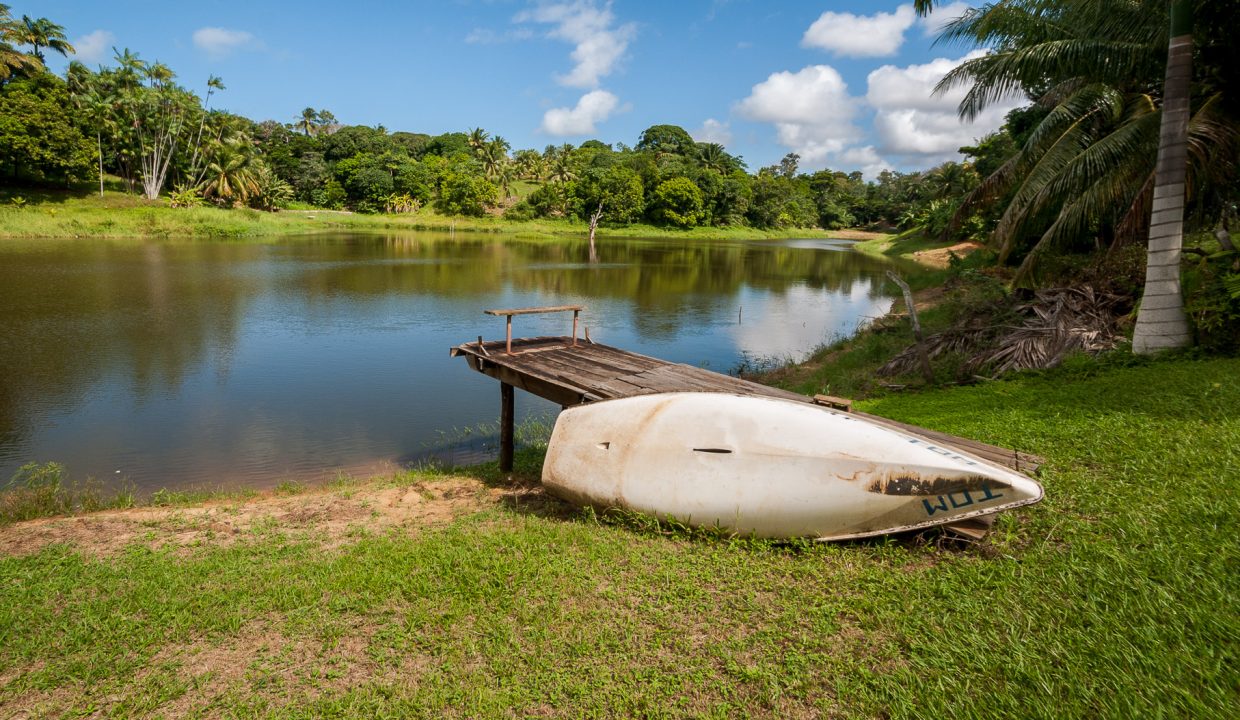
717, 451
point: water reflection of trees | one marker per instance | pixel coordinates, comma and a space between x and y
651, 275
139, 313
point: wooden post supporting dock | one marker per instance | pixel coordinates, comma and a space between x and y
506, 441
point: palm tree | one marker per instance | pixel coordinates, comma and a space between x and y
89, 97
308, 121
11, 59
327, 122
529, 164
714, 157
1161, 322
1090, 163
1116, 150
950, 180
505, 176
232, 174
214, 83
477, 139
43, 33
494, 155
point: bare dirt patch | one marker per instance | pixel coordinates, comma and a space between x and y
940, 257
331, 515
858, 235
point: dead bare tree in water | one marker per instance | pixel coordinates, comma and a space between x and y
594, 218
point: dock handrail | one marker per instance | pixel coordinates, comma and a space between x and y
576, 310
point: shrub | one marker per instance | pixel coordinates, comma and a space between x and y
463, 194
678, 202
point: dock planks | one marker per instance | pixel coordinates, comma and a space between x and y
569, 372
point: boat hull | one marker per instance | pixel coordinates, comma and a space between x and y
769, 468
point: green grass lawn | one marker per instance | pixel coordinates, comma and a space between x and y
1115, 597
117, 214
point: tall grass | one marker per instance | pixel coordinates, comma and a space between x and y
43, 489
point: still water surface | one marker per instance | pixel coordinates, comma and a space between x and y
180, 363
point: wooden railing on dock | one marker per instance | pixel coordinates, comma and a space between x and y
575, 309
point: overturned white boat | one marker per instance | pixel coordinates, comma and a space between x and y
769, 468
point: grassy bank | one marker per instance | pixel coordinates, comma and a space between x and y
49, 214
469, 595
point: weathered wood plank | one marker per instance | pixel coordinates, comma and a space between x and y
832, 401
533, 310
622, 362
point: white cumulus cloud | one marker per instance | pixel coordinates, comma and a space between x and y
713, 131
811, 110
220, 42
592, 108
599, 43
93, 47
924, 128
849, 35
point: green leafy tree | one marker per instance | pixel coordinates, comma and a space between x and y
366, 180
92, 104
447, 145
39, 141
311, 176
416, 180
678, 202
666, 139
353, 140
728, 198
617, 189
781, 202
465, 194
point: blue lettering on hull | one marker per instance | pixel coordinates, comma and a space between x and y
961, 499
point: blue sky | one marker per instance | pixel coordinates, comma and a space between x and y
845, 84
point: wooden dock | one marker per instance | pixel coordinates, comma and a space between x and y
569, 371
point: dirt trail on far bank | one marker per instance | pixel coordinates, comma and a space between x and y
327, 515
941, 257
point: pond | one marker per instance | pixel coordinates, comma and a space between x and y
176, 363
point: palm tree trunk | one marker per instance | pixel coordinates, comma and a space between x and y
99, 141
1161, 322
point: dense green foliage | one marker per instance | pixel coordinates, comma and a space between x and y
38, 141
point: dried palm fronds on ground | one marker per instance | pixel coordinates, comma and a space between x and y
1055, 323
